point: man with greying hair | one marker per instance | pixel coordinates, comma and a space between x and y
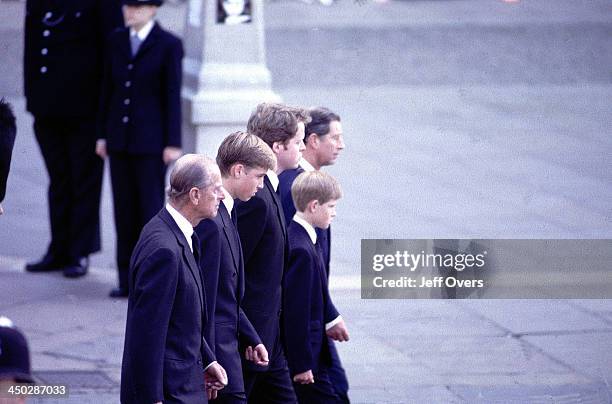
166, 357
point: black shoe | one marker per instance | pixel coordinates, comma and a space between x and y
78, 269
118, 292
46, 264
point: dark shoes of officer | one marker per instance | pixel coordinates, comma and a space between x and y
49, 262
46, 264
118, 292
77, 269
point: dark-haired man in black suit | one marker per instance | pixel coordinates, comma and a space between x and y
139, 122
63, 59
166, 358
8, 131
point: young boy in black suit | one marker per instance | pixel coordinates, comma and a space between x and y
243, 160
139, 122
309, 310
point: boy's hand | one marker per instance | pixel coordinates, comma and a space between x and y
338, 332
259, 355
304, 378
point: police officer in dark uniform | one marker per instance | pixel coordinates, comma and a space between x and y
140, 122
63, 53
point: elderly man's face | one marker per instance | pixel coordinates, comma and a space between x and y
211, 196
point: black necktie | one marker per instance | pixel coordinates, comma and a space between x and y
195, 244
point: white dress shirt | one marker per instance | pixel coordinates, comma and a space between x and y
182, 223
273, 179
144, 31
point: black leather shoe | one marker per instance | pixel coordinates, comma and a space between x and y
46, 264
78, 269
118, 293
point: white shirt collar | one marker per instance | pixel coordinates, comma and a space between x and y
273, 179
144, 31
306, 165
228, 202
309, 229
182, 223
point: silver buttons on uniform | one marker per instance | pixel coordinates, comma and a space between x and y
130, 66
78, 14
44, 51
125, 119
43, 69
48, 14
46, 33
126, 101
128, 83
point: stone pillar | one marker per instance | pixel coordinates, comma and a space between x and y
225, 73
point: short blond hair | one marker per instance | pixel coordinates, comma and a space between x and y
314, 185
246, 149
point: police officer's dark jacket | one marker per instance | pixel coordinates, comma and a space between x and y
64, 42
140, 105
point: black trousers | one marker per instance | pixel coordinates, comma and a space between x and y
75, 183
320, 392
230, 398
337, 375
273, 386
138, 194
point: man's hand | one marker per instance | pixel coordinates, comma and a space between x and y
101, 148
171, 153
215, 377
304, 378
338, 332
259, 355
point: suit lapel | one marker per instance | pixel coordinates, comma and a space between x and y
231, 240
124, 44
149, 41
187, 254
277, 203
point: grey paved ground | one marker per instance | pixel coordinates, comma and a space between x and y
474, 119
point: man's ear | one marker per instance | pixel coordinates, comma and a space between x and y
313, 140
277, 147
236, 170
194, 195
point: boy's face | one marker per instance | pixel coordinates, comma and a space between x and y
249, 181
330, 145
288, 155
324, 214
137, 16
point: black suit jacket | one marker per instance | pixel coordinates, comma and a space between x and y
286, 179
64, 42
263, 234
165, 351
140, 105
223, 270
308, 306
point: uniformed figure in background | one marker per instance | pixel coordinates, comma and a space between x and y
140, 122
64, 42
